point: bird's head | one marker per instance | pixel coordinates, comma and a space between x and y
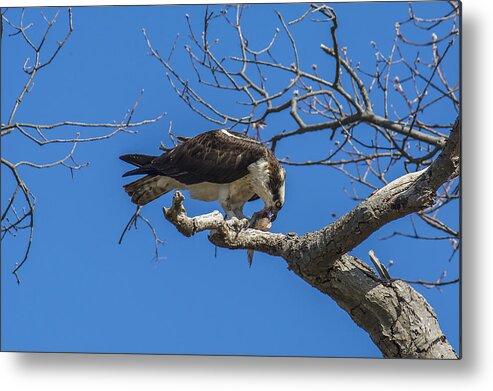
277, 188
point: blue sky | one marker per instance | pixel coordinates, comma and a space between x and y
81, 291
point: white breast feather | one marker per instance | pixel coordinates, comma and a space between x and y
240, 191
204, 191
259, 172
237, 192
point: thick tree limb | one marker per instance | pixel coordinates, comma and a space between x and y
398, 318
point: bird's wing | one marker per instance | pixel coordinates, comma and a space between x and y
215, 156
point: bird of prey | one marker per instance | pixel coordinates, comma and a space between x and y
218, 165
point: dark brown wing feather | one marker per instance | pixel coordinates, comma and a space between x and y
209, 157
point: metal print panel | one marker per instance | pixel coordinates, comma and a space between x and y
266, 179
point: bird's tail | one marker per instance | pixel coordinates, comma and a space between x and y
137, 160
147, 189
141, 161
153, 185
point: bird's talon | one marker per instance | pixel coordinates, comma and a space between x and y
236, 224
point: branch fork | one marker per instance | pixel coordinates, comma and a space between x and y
189, 226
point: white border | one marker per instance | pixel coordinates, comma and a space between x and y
94, 372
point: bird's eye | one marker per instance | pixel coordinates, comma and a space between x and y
278, 204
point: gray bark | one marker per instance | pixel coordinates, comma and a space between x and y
398, 319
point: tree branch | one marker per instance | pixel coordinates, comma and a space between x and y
16, 218
398, 318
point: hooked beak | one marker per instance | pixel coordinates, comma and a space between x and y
272, 214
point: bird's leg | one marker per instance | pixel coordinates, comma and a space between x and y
237, 220
241, 216
235, 213
232, 212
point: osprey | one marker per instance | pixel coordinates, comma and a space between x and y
217, 165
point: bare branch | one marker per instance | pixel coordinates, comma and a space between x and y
15, 219
321, 258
